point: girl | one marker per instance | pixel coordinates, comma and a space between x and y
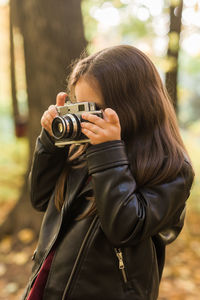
111, 205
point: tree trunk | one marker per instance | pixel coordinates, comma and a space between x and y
12, 66
53, 37
173, 50
20, 121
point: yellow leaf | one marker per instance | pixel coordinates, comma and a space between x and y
26, 235
2, 269
20, 258
6, 244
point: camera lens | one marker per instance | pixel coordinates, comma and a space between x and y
58, 127
67, 126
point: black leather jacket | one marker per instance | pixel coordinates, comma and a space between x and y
119, 252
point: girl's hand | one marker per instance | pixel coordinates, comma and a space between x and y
51, 112
102, 130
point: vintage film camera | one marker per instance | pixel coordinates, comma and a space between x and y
66, 127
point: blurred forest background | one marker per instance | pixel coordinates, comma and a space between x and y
38, 40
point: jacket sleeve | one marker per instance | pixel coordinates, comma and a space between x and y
48, 162
127, 214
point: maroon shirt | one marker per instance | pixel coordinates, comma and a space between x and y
37, 290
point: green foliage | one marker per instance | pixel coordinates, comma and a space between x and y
133, 28
192, 142
13, 164
189, 90
90, 3
189, 64
128, 30
90, 24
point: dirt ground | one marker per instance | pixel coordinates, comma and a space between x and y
181, 278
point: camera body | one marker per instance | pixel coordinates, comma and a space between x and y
66, 127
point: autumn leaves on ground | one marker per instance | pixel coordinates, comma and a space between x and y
181, 278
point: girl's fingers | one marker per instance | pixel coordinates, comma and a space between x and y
100, 130
91, 127
46, 124
46, 121
91, 135
48, 116
94, 119
60, 99
111, 115
53, 111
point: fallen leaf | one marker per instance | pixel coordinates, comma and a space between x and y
2, 269
6, 244
26, 235
20, 258
11, 288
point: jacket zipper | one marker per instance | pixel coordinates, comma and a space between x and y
119, 255
84, 244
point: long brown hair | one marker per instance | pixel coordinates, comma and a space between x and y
131, 85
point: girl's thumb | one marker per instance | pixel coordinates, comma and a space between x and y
111, 115
60, 99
